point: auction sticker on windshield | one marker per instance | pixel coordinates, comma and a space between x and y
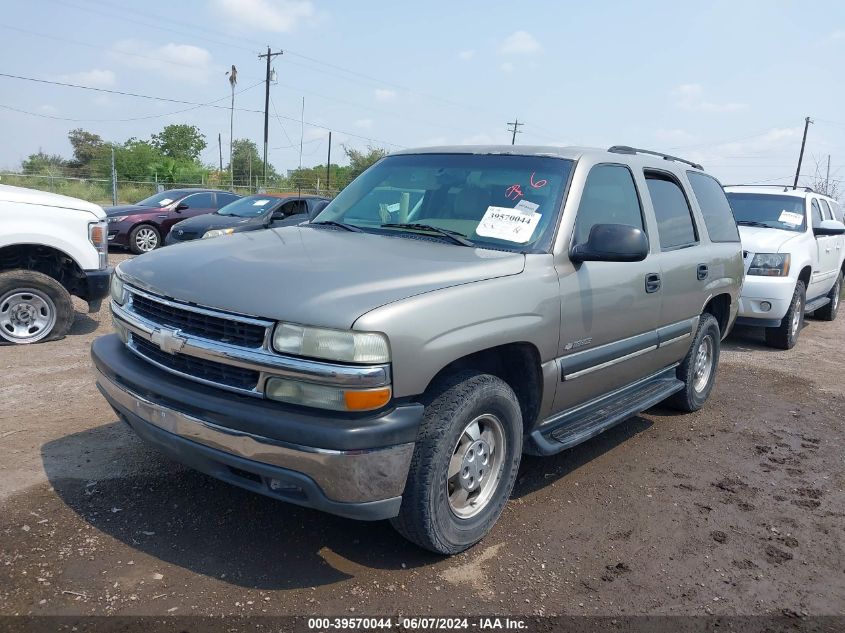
260, 203
512, 225
788, 217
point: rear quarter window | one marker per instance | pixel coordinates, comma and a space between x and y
718, 217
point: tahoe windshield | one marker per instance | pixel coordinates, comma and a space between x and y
161, 199
501, 202
249, 207
776, 212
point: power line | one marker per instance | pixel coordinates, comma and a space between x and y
515, 123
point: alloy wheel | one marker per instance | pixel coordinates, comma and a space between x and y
475, 468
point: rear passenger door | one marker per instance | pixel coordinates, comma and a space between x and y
823, 268
830, 250
684, 264
608, 312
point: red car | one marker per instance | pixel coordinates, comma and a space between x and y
142, 227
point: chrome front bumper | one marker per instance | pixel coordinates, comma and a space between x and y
344, 477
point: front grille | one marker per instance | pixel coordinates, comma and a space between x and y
227, 375
182, 235
206, 326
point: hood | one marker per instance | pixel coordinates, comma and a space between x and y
312, 276
132, 209
23, 195
757, 239
209, 221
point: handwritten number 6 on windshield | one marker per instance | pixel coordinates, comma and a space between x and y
539, 183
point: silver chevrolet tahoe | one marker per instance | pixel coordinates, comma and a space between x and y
450, 310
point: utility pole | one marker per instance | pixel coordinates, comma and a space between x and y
269, 55
807, 122
113, 180
233, 81
220, 148
827, 178
301, 139
329, 163
515, 123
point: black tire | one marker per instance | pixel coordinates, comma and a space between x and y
136, 244
427, 517
828, 312
697, 384
27, 295
785, 336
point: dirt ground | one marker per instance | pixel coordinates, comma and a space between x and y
737, 509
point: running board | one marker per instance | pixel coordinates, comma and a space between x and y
580, 423
815, 304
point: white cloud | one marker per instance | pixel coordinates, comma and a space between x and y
434, 141
364, 124
773, 143
466, 55
280, 16
384, 94
176, 61
507, 67
674, 136
520, 43
96, 78
691, 97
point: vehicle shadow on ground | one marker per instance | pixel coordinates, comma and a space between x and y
538, 472
752, 339
209, 527
83, 324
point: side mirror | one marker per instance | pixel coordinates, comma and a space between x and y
181, 207
611, 243
829, 227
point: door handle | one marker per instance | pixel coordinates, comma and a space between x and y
702, 272
652, 282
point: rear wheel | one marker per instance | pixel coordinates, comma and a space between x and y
33, 307
786, 334
464, 464
698, 369
143, 239
828, 312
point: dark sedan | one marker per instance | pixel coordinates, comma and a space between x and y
143, 227
251, 213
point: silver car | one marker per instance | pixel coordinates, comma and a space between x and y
450, 310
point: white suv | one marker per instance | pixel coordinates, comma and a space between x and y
793, 245
51, 247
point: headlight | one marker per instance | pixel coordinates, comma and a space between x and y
117, 218
770, 265
338, 345
217, 232
324, 397
118, 293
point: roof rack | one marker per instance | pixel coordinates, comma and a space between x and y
784, 187
624, 149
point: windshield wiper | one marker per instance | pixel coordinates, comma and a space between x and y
754, 223
455, 236
343, 225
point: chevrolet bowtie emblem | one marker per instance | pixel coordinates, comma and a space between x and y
168, 340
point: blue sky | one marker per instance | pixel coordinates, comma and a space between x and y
726, 83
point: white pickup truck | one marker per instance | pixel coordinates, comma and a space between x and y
793, 246
51, 247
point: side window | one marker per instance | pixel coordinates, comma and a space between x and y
837, 211
293, 207
826, 214
674, 218
200, 201
815, 213
225, 198
610, 197
715, 208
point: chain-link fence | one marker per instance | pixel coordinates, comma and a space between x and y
99, 190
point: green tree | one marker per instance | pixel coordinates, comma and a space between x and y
181, 142
245, 161
359, 161
135, 160
42, 163
87, 148
315, 177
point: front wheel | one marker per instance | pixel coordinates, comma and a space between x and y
785, 336
33, 307
143, 239
464, 465
698, 369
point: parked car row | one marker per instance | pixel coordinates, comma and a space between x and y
393, 353
178, 215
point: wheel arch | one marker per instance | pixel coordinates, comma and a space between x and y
720, 307
45, 259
